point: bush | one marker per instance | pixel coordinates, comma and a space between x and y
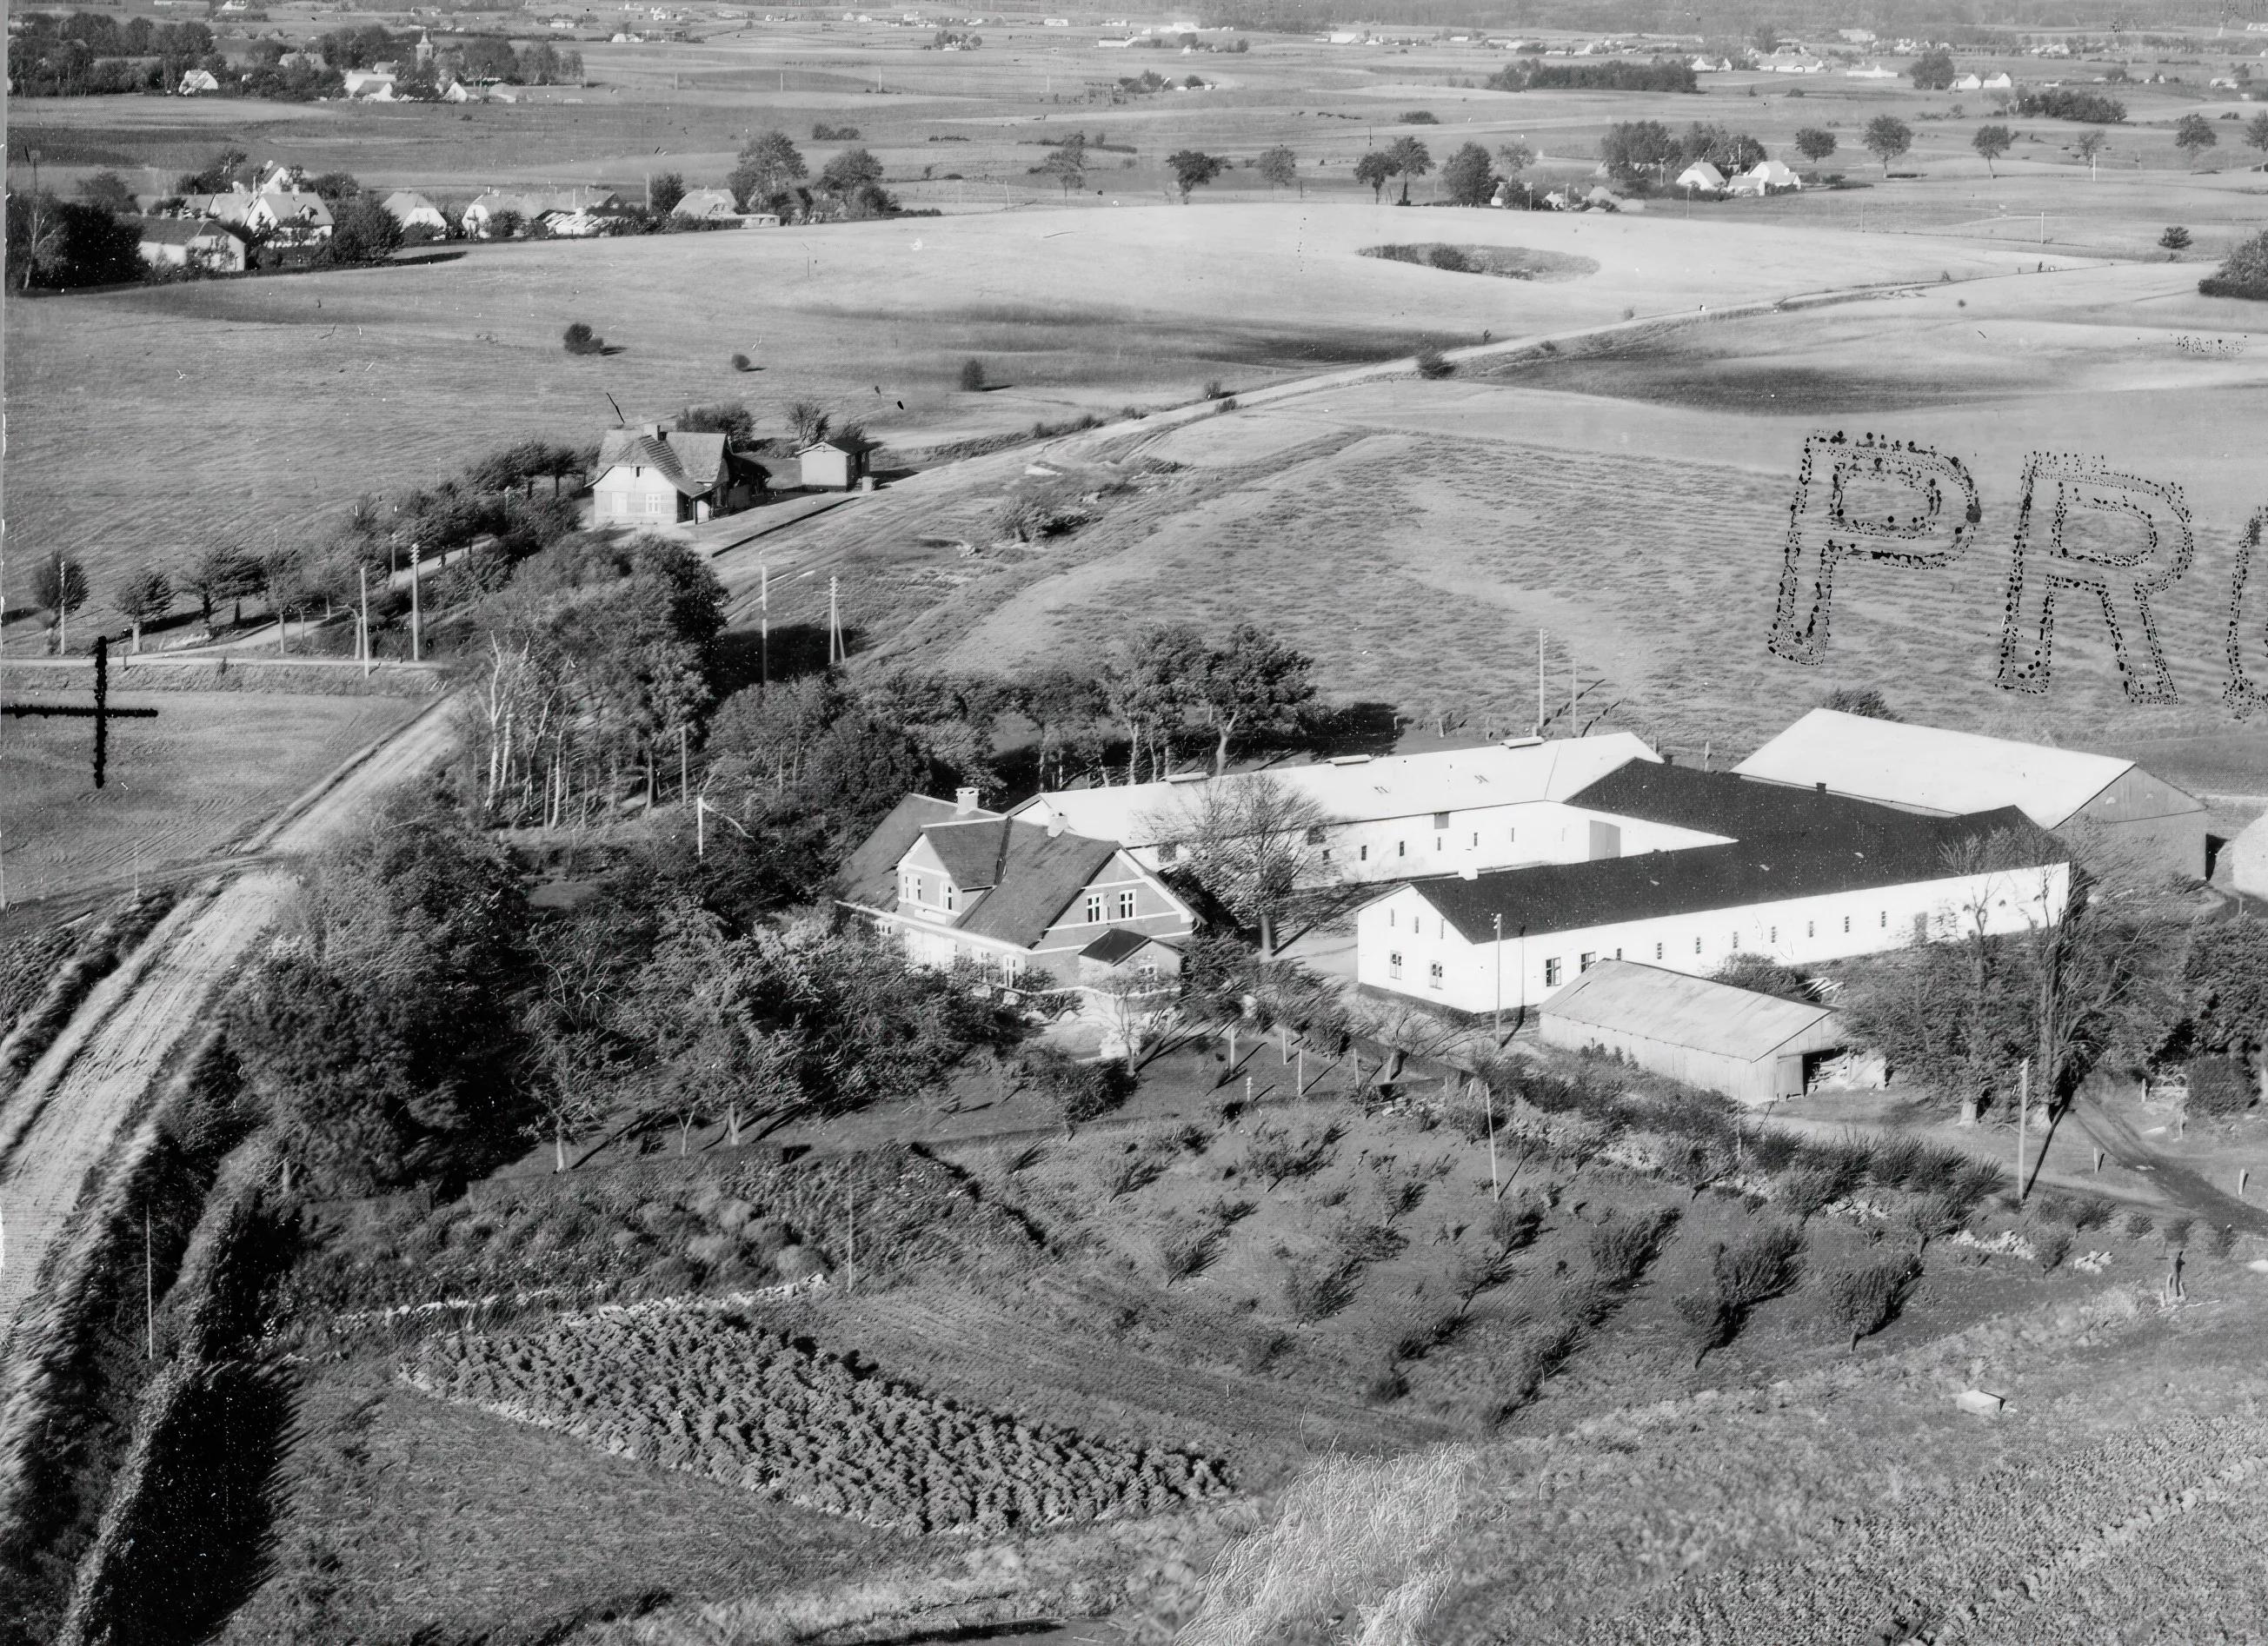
1078, 1091
2138, 1224
2052, 1247
1864, 1300
2243, 274
1185, 1250
1432, 366
2176, 239
1275, 1157
2056, 102
2220, 1087
972, 376
1314, 1293
1624, 1244
740, 363
581, 340
1752, 1271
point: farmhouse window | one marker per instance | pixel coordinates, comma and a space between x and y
1846, 925
1618, 954
1094, 908
1587, 962
1362, 854
1696, 946
1125, 905
1394, 964
948, 897
1434, 975
1811, 929
1147, 971
1885, 921
1476, 840
1315, 833
1437, 842
1775, 935
1657, 952
1401, 848
1441, 819
1551, 973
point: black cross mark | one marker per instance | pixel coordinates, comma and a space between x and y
101, 713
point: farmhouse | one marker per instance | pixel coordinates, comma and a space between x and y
192, 243
372, 86
296, 218
1798, 875
1764, 177
1702, 175
414, 210
1401, 816
957, 884
1753, 1048
707, 205
832, 465
650, 475
1927, 769
233, 207
479, 218
197, 81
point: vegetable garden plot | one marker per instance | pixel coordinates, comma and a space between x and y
707, 1391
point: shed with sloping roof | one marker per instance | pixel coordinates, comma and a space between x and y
1753, 1048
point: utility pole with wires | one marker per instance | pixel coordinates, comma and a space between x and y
417, 608
1539, 682
834, 651
763, 626
363, 637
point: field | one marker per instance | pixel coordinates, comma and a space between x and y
180, 787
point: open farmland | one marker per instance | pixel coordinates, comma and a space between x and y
210, 768
355, 381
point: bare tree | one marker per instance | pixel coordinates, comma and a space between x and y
1247, 839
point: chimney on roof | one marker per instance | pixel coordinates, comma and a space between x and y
1669, 757
964, 802
1821, 788
1054, 825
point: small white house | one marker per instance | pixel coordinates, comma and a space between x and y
650, 475
197, 81
297, 218
414, 210
1997, 82
1703, 177
1764, 178
1870, 72
707, 205
204, 243
1968, 83
370, 84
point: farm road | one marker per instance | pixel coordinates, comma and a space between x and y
61, 1121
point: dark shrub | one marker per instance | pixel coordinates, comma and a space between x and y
581, 340
2220, 1087
1432, 366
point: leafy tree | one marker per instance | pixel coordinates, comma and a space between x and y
1765, 38
1888, 137
769, 168
218, 172
2256, 132
1376, 169
222, 572
1252, 682
1246, 839
579, 339
362, 232
972, 376
2092, 143
1635, 147
1280, 168
1149, 684
2176, 240
664, 192
144, 596
106, 191
1063, 703
59, 585
2225, 986
1933, 71
2193, 135
1411, 158
849, 172
2243, 274
1514, 158
810, 421
1067, 165
1468, 176
1992, 141
63, 245
1814, 144
1728, 150
333, 187
1192, 169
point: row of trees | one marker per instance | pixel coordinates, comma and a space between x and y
1633, 149
85, 53
771, 173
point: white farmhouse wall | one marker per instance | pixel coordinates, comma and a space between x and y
1400, 939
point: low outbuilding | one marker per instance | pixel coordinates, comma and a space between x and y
1753, 1048
834, 464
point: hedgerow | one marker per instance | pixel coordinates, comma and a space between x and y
709, 1392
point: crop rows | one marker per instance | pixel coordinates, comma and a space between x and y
706, 1392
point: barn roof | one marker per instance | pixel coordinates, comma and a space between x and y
1016, 877
1890, 848
1628, 998
1401, 785
1930, 768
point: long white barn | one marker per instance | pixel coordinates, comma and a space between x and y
1798, 875
1402, 816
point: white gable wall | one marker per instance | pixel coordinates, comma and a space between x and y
1400, 938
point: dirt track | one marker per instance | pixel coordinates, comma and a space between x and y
61, 1121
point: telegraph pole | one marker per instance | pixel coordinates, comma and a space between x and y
364, 573
834, 622
764, 611
417, 610
1539, 682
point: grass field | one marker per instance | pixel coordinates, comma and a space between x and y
209, 769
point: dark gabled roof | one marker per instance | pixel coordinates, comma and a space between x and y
690, 462
1016, 877
869, 876
1038, 876
1885, 847
1725, 802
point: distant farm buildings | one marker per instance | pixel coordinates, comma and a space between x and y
202, 242
414, 210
